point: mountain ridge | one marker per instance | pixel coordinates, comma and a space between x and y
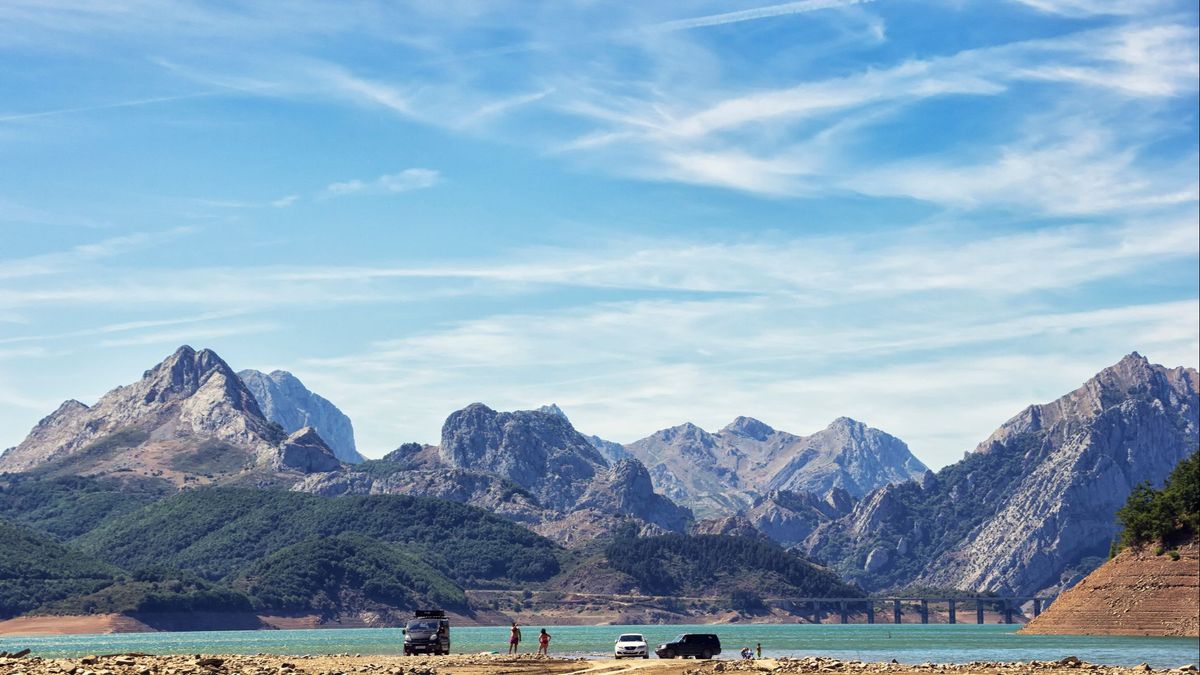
1036, 498
189, 419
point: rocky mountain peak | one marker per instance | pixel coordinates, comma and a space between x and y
748, 427
306, 451
625, 489
184, 372
1036, 502
285, 400
553, 409
537, 450
190, 417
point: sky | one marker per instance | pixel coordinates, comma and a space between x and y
925, 215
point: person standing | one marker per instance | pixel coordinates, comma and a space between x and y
758, 648
544, 643
514, 638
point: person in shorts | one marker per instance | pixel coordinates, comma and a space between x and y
514, 638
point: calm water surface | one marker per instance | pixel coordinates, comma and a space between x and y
906, 643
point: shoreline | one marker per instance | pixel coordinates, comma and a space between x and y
104, 624
477, 664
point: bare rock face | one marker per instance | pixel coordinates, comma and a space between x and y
612, 451
729, 471
188, 419
539, 451
306, 452
1036, 499
530, 466
284, 399
625, 489
500, 496
732, 526
790, 517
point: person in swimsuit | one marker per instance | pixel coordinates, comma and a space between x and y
514, 638
544, 643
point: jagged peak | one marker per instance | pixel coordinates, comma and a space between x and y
748, 427
305, 435
187, 366
846, 423
553, 409
70, 405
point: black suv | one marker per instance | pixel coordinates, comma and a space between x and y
428, 631
697, 645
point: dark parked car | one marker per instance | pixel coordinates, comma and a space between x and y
428, 631
696, 645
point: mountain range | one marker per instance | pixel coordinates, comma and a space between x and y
189, 420
1033, 507
1029, 510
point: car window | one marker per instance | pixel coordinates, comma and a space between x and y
630, 638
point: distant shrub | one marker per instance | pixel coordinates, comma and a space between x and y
1173, 554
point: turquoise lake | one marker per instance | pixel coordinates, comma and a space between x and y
942, 643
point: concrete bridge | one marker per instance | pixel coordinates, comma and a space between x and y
1007, 606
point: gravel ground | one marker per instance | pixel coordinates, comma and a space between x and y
525, 664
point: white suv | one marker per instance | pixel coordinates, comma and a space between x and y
631, 645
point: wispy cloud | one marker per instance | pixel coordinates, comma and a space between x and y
175, 337
58, 263
767, 12
404, 181
1081, 8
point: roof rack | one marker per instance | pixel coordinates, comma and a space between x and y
429, 614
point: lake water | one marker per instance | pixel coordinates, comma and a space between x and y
939, 643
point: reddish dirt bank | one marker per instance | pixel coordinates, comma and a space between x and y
73, 625
1135, 593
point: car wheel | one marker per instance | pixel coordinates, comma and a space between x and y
668, 654
706, 655
645, 656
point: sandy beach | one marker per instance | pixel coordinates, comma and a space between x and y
477, 664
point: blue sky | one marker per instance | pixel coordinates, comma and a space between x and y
923, 215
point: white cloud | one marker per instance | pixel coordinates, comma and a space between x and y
404, 181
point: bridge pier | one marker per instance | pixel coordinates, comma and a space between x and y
816, 608
870, 611
1008, 611
1037, 607
845, 614
953, 612
924, 611
979, 610
896, 616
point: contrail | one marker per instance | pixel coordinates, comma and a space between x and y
769, 11
108, 106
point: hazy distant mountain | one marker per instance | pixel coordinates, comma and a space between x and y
726, 472
284, 399
1035, 502
189, 420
